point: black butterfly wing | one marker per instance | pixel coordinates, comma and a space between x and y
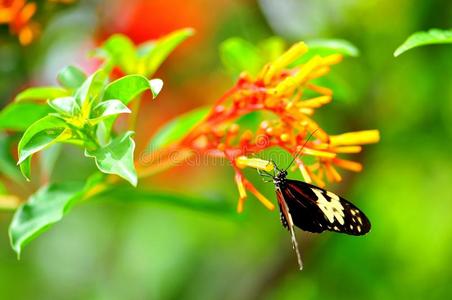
314, 209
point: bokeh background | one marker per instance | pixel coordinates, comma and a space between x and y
132, 249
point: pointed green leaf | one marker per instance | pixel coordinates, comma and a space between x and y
421, 38
333, 46
39, 135
117, 157
92, 88
71, 77
66, 106
154, 53
239, 55
129, 87
43, 209
103, 131
41, 93
108, 108
176, 129
19, 116
119, 50
25, 168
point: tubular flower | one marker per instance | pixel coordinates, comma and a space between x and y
291, 96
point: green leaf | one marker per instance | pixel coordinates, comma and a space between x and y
239, 55
91, 89
153, 54
107, 109
332, 46
421, 38
66, 106
42, 93
129, 87
25, 168
202, 204
119, 50
117, 157
43, 209
71, 77
39, 135
272, 48
177, 128
8, 165
19, 116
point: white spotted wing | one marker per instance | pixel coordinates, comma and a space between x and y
314, 209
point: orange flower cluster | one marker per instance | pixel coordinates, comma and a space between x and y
17, 14
281, 90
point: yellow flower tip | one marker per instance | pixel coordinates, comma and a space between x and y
355, 138
240, 186
242, 192
284, 60
348, 164
319, 72
240, 205
318, 132
319, 89
307, 68
294, 52
307, 111
332, 59
318, 153
315, 102
334, 174
316, 178
257, 163
347, 149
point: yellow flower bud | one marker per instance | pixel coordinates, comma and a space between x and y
257, 163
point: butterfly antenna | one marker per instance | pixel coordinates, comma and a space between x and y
299, 151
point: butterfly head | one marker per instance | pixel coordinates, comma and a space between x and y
280, 177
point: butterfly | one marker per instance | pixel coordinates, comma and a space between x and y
314, 209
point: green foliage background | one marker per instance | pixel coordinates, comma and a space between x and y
152, 245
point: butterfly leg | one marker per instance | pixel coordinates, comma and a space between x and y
264, 174
290, 226
294, 242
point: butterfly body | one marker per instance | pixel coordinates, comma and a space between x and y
314, 209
